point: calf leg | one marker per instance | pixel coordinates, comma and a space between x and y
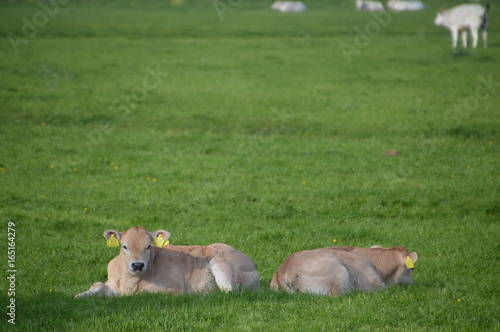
484, 36
315, 285
454, 37
474, 37
334, 283
99, 288
372, 282
464, 38
223, 274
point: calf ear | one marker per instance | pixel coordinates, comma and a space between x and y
413, 256
107, 234
164, 234
160, 238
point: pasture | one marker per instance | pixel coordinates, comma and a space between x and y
266, 131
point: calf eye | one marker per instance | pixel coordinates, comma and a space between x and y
124, 247
149, 246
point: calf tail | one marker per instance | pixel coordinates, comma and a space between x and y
485, 18
279, 282
274, 282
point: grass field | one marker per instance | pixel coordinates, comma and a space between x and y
266, 131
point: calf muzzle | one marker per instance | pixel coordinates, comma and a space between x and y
137, 267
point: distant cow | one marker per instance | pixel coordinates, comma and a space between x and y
400, 6
143, 267
337, 270
371, 6
288, 6
462, 18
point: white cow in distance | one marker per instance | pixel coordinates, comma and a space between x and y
370, 6
142, 266
288, 6
400, 6
464, 17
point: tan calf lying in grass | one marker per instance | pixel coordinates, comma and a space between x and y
144, 267
337, 270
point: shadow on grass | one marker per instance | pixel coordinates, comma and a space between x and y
57, 311
246, 310
61, 312
460, 53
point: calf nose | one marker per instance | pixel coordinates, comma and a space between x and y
137, 266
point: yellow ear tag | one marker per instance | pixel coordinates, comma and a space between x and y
113, 241
158, 242
409, 263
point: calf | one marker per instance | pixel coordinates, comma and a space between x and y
143, 267
337, 270
371, 6
399, 6
288, 6
464, 17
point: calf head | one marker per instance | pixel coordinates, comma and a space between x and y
405, 269
396, 263
136, 251
439, 20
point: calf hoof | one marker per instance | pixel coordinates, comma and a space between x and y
82, 294
226, 288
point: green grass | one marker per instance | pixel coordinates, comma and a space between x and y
258, 132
